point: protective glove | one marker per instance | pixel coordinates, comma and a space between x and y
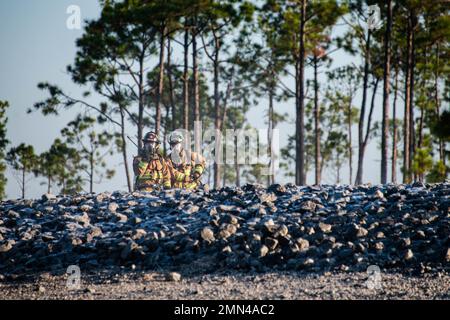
195, 176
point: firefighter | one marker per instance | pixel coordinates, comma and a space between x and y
186, 173
151, 170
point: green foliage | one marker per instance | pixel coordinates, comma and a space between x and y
334, 135
253, 173
246, 52
21, 158
60, 165
288, 157
177, 87
23, 161
438, 173
422, 162
441, 127
321, 17
92, 148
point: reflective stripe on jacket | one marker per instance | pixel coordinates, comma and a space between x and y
181, 173
151, 174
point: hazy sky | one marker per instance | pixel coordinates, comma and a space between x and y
37, 46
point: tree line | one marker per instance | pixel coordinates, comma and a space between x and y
163, 65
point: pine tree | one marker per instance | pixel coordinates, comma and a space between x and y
221, 18
23, 161
61, 166
92, 147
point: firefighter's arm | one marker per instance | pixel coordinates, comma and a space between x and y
170, 168
136, 161
139, 168
199, 166
181, 176
167, 178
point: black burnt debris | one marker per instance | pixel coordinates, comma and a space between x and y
250, 228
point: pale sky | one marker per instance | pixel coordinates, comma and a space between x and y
37, 46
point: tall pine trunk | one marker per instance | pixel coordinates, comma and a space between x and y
171, 90
270, 177
124, 149
369, 119
23, 182
420, 131
195, 75
300, 174
196, 91
412, 141
372, 108
349, 132
166, 129
140, 126
237, 173
437, 104
359, 172
386, 92
49, 184
316, 123
407, 112
186, 80
394, 132
160, 81
91, 172
217, 116
224, 175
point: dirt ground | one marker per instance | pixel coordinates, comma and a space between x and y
230, 285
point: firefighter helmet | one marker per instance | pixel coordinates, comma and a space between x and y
151, 137
176, 137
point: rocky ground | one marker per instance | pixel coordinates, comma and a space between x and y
303, 236
231, 285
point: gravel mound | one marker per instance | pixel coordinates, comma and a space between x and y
283, 227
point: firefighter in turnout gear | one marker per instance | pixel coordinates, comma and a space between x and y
151, 170
186, 173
